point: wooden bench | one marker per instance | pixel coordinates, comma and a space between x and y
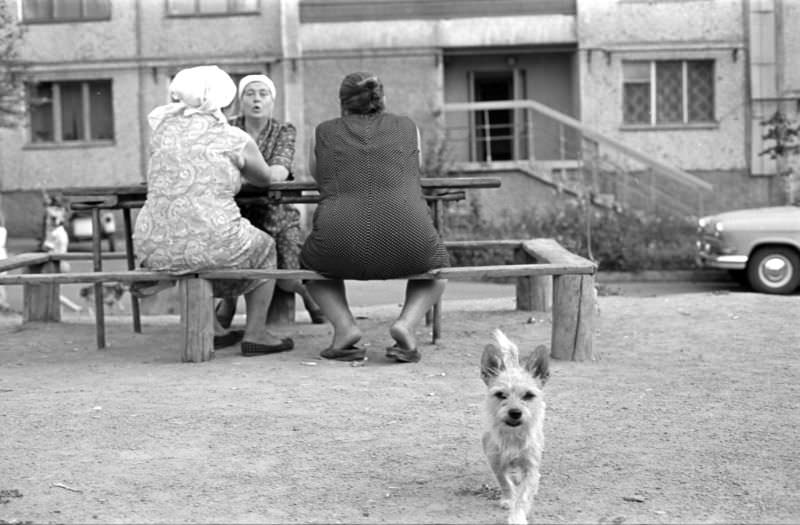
548, 278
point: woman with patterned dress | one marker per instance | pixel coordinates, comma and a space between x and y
190, 221
372, 221
276, 142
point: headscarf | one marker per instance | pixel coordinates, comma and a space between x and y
202, 89
249, 79
362, 93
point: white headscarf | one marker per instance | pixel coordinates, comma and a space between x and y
249, 79
202, 89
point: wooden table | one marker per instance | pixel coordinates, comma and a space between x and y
97, 198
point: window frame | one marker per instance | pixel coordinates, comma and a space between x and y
63, 20
229, 11
56, 124
653, 96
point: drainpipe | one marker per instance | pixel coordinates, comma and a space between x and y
140, 99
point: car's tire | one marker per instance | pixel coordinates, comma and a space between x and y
774, 269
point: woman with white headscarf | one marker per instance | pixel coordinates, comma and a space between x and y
190, 221
276, 141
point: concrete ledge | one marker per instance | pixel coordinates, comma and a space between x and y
664, 276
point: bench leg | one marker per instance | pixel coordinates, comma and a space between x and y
281, 308
437, 321
129, 256
197, 320
573, 317
41, 301
534, 293
97, 260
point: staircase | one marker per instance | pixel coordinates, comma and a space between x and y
579, 161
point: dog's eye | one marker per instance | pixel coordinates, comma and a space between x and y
500, 395
528, 396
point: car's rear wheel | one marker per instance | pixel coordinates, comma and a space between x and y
774, 269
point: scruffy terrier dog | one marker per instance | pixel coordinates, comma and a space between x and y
513, 437
112, 295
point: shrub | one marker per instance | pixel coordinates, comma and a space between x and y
620, 241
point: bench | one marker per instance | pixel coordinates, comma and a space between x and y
548, 278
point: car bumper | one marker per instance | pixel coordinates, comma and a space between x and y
723, 262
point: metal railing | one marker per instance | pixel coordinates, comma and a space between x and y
569, 154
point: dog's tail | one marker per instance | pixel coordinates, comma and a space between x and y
506, 345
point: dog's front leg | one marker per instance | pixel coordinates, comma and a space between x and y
523, 498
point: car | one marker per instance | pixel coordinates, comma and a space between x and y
759, 246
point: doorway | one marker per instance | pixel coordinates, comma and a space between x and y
494, 129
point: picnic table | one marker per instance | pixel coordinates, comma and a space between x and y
436, 190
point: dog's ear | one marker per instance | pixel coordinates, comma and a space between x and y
538, 364
491, 363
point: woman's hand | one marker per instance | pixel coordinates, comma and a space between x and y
255, 169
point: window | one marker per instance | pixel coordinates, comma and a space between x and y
211, 7
63, 112
668, 92
65, 10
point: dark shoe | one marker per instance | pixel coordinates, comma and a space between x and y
228, 339
227, 319
403, 355
249, 348
142, 289
317, 317
352, 353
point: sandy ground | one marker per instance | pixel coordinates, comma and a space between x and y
689, 414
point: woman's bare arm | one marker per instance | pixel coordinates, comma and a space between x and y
255, 170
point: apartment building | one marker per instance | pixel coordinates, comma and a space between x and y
684, 82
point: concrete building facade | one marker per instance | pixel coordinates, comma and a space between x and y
684, 81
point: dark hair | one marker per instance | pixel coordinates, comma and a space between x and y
361, 93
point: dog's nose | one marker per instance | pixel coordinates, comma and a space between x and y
515, 413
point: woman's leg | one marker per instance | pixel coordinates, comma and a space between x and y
296, 286
421, 295
331, 297
257, 301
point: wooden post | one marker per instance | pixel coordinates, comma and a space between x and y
129, 257
41, 301
534, 293
197, 320
281, 308
573, 317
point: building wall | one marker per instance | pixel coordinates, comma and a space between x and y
611, 32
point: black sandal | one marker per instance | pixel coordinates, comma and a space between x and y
403, 355
250, 348
228, 339
352, 353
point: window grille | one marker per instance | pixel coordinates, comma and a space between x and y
668, 92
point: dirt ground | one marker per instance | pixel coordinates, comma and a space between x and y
689, 414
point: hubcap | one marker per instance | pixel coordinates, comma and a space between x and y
775, 271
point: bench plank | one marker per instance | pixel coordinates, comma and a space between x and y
24, 259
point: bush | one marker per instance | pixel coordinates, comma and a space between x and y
620, 241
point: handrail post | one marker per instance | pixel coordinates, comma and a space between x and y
529, 124
487, 135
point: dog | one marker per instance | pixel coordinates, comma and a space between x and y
513, 438
112, 295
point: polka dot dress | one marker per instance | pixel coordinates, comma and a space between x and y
372, 221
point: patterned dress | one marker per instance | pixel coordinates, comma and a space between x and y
190, 221
372, 221
282, 221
